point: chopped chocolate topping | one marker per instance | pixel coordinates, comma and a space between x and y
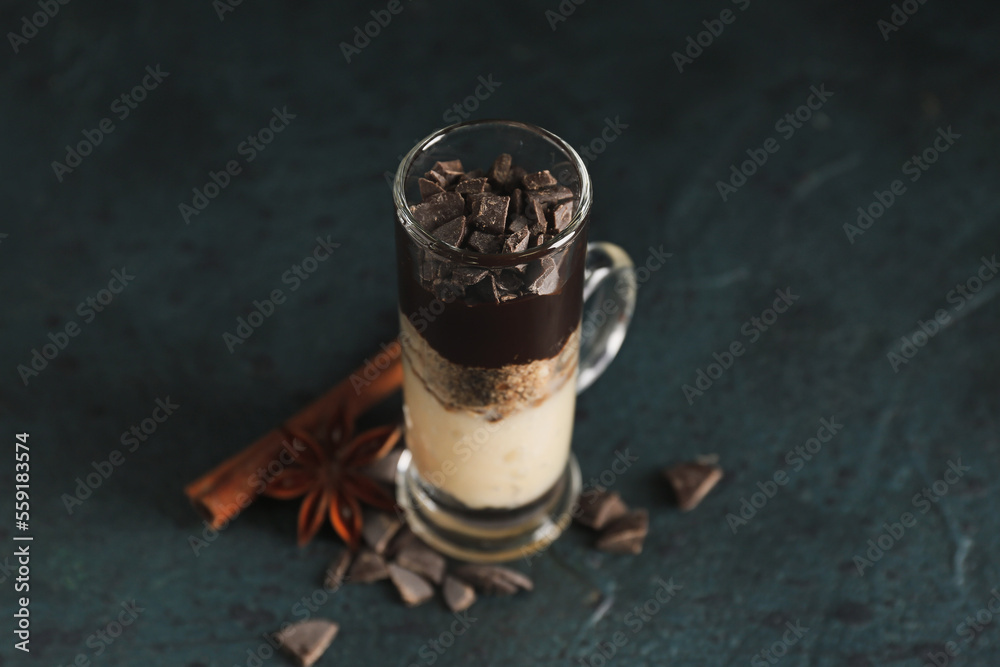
468, 176
452, 232
468, 275
489, 213
438, 178
546, 279
500, 171
306, 641
472, 186
493, 579
519, 222
551, 195
458, 595
562, 215
517, 173
438, 209
487, 289
414, 589
599, 507
625, 534
485, 243
420, 558
539, 179
692, 482
517, 241
452, 169
516, 203
429, 188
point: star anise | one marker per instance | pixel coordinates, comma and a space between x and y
331, 479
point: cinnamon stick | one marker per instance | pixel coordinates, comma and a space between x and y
222, 493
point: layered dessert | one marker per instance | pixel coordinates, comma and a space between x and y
490, 336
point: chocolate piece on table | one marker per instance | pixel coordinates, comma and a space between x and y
368, 566
562, 215
539, 179
438, 209
452, 232
485, 243
306, 641
458, 595
500, 171
551, 195
472, 186
414, 589
692, 482
599, 507
489, 213
337, 568
493, 579
403, 538
429, 188
625, 534
420, 558
378, 529
516, 203
517, 241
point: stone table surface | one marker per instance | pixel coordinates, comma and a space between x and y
890, 335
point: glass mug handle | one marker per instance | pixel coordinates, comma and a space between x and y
609, 291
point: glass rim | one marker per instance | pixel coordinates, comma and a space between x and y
429, 241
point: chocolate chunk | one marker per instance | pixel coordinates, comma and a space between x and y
429, 188
468, 275
538, 240
368, 566
438, 209
306, 641
562, 215
413, 588
429, 268
452, 232
518, 223
517, 241
458, 595
539, 179
468, 176
509, 281
420, 558
472, 186
403, 539
599, 507
485, 243
516, 176
336, 570
435, 177
516, 203
489, 213
452, 169
493, 579
487, 290
378, 529
625, 534
536, 212
692, 482
500, 171
551, 195
545, 277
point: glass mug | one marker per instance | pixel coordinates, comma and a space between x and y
495, 349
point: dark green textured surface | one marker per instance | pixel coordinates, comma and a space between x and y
654, 185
